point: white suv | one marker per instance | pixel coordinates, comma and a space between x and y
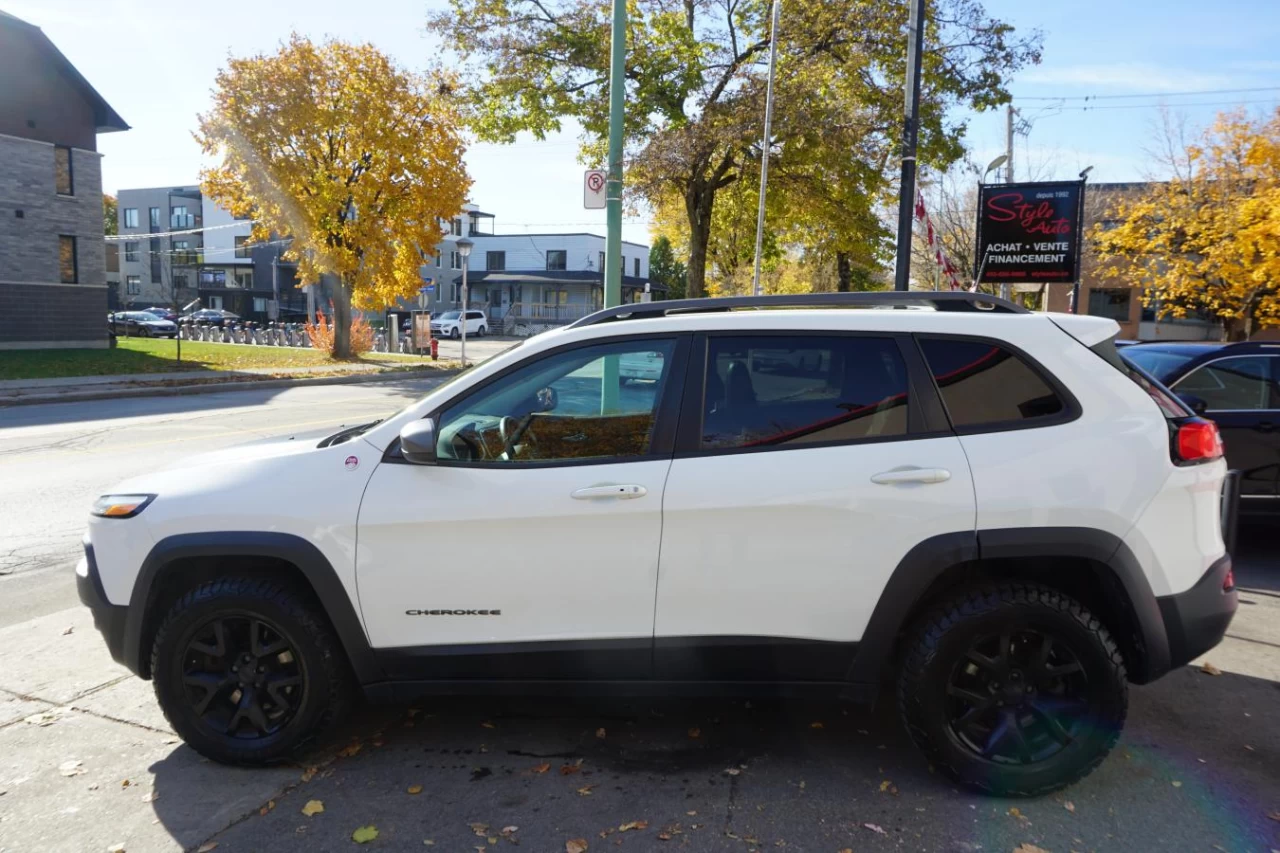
449, 324
982, 505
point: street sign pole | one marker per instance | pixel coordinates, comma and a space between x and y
613, 205
910, 134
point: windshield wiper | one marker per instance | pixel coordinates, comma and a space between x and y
348, 433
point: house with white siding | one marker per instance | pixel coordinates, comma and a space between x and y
527, 282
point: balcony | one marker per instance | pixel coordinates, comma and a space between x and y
184, 220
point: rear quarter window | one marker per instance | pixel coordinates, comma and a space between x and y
985, 385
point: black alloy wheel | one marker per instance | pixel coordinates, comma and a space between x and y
248, 669
242, 676
1013, 689
1018, 697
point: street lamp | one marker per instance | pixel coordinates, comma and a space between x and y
993, 165
464, 248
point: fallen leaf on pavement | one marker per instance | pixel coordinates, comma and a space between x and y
350, 750
600, 733
507, 830
1177, 784
488, 725
271, 804
1029, 848
1274, 815
1069, 806
415, 789
585, 790
815, 725
124, 783
732, 771
888, 786
480, 829
312, 808
71, 768
635, 824
207, 846
876, 829
570, 769
44, 718
1209, 669
116, 848
575, 845
69, 629
151, 797
692, 813
309, 774
541, 768
365, 834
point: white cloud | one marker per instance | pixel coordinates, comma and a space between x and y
1128, 76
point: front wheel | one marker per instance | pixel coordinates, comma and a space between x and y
456, 333
144, 332
247, 670
1014, 689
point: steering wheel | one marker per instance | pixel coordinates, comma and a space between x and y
511, 431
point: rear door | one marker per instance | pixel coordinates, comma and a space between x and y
1242, 395
806, 468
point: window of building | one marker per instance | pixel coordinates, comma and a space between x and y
67, 259
260, 304
455, 260
179, 281
557, 404
455, 227
131, 217
183, 256
242, 250
213, 278
153, 217
244, 279
131, 248
63, 182
636, 265
495, 261
556, 259
602, 263
769, 391
439, 258
154, 246
133, 285
215, 302
983, 384
1242, 383
1112, 303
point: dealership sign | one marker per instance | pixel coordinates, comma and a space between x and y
1029, 232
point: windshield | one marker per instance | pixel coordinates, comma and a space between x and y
449, 315
142, 315
1159, 363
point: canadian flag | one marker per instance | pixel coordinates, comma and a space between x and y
935, 243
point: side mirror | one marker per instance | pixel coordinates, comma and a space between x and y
418, 442
1194, 403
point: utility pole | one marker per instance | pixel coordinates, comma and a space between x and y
766, 142
613, 189
910, 134
1010, 112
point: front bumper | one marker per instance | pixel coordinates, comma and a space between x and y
108, 618
1196, 620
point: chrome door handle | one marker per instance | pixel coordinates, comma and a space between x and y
912, 475
595, 493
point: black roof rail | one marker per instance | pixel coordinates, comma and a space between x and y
937, 300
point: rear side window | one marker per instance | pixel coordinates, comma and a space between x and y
985, 385
770, 390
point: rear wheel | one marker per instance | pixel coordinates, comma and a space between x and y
1014, 689
480, 332
247, 670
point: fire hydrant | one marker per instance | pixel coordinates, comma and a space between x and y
435, 349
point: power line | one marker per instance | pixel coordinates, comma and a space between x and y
1178, 105
1148, 95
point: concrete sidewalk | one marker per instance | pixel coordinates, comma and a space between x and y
80, 388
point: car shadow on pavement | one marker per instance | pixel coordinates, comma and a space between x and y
1199, 766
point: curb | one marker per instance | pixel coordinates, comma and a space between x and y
228, 385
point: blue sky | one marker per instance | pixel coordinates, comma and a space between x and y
154, 61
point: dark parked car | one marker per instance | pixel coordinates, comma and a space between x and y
140, 324
210, 317
1238, 387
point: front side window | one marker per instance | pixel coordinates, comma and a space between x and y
765, 390
67, 259
592, 403
556, 259
984, 385
62, 176
1242, 383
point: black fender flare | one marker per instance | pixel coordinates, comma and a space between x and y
313, 565
926, 562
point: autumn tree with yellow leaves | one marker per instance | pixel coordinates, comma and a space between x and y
356, 159
1208, 238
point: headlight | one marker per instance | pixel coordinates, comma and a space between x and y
120, 506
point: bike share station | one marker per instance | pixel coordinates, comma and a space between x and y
417, 337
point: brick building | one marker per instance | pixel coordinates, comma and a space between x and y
53, 287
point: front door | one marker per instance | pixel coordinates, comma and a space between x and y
807, 478
530, 550
1242, 395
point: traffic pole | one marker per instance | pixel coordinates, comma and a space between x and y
610, 378
765, 144
910, 136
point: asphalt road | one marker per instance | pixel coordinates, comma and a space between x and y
87, 761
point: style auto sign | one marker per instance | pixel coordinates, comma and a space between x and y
1029, 232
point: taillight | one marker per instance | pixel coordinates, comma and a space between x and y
1197, 440
1229, 582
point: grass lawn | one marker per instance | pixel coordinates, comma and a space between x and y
154, 355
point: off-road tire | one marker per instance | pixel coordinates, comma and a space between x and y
328, 685
940, 642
